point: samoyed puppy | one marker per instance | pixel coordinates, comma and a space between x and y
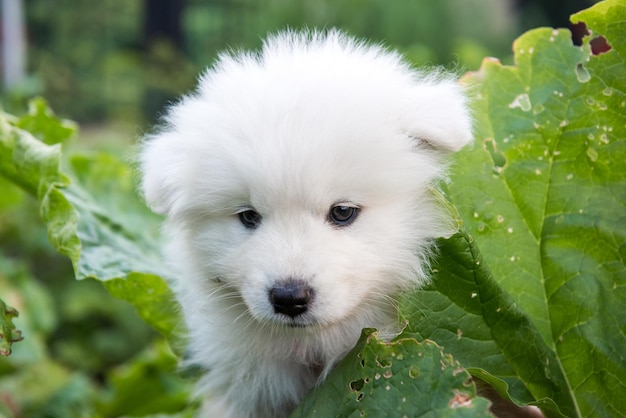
297, 185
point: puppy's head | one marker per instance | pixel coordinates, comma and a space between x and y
300, 178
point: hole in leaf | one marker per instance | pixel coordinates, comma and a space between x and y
414, 372
579, 31
499, 160
522, 101
357, 385
384, 363
460, 400
599, 45
582, 74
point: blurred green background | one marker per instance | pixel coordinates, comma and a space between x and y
120, 61
112, 66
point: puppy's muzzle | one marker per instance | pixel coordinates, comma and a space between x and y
291, 297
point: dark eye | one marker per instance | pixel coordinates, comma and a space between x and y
342, 215
251, 219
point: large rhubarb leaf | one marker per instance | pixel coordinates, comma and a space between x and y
472, 316
543, 195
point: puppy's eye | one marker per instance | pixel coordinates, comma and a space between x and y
343, 215
251, 219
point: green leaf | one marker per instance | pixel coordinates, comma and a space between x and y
8, 333
543, 195
467, 312
46, 388
147, 385
26, 161
41, 122
94, 217
401, 378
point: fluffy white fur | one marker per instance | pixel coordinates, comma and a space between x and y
312, 121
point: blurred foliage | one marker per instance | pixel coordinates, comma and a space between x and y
101, 61
93, 62
83, 349
84, 352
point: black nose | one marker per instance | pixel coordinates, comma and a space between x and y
291, 297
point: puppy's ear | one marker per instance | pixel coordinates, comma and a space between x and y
440, 118
161, 167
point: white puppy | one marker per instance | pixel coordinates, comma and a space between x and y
297, 185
